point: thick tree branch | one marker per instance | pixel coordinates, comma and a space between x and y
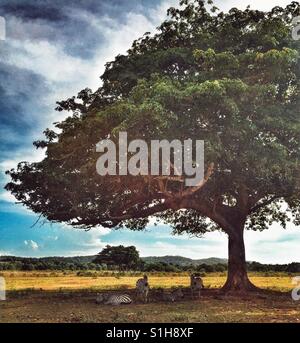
263, 204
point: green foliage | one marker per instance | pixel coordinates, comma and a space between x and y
120, 256
230, 79
166, 264
49, 263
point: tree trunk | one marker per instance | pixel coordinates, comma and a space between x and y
237, 278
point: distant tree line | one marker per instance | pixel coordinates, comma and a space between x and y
288, 268
49, 263
170, 267
90, 263
220, 267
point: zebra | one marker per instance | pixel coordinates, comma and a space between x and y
142, 288
173, 296
168, 296
196, 284
160, 294
178, 294
114, 299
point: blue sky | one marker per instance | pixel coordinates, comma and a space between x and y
53, 49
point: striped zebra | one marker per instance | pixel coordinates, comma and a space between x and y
172, 296
142, 288
114, 299
196, 285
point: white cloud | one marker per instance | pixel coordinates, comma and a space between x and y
7, 197
31, 244
213, 244
276, 245
90, 242
265, 5
158, 14
24, 154
47, 60
52, 238
95, 231
94, 243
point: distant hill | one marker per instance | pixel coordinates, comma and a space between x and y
152, 263
179, 260
73, 259
183, 261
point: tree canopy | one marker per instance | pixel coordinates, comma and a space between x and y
123, 257
230, 79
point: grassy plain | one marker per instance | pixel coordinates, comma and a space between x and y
67, 297
51, 281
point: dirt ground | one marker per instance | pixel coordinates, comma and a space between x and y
80, 307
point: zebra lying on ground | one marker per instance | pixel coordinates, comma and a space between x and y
196, 284
142, 288
178, 294
113, 299
172, 296
160, 294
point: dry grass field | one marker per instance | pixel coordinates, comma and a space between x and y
51, 281
66, 297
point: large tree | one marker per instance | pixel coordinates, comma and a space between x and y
230, 79
123, 257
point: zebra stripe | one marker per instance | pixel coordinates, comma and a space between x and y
142, 288
118, 300
196, 284
113, 299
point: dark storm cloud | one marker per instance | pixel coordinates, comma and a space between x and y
62, 21
32, 11
20, 87
51, 21
20, 111
64, 25
68, 28
56, 10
